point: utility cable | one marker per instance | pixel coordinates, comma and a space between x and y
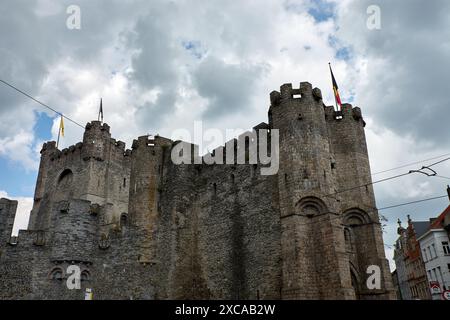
41, 103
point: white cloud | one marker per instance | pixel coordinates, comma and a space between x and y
247, 50
20, 148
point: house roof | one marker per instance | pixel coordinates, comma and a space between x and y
420, 227
437, 223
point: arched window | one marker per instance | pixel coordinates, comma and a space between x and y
355, 217
104, 241
352, 219
123, 219
57, 274
348, 236
310, 207
65, 178
85, 275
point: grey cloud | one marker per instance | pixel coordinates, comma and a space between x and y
154, 64
410, 94
228, 87
32, 44
154, 67
152, 115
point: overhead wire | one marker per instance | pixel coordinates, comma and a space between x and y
41, 103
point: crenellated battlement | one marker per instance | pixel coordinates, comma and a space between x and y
306, 91
48, 147
97, 125
66, 152
143, 142
347, 114
287, 92
96, 141
120, 145
150, 141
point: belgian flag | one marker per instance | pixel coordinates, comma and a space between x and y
337, 98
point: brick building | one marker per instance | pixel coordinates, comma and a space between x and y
408, 259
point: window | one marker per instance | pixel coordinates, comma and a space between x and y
440, 279
123, 219
56, 274
434, 250
65, 179
448, 266
425, 255
429, 251
348, 239
85, 276
446, 247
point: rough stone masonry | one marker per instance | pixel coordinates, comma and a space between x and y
141, 227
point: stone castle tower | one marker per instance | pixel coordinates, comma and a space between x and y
141, 227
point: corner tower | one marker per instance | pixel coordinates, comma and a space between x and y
96, 170
355, 195
313, 253
321, 155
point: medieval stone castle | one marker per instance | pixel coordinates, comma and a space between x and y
140, 227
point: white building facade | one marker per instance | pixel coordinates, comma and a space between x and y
435, 250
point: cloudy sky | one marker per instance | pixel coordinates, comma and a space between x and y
161, 65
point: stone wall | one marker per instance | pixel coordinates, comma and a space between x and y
141, 227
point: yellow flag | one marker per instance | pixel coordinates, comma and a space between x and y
61, 126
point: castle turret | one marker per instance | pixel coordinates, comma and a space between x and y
96, 170
355, 195
147, 159
96, 141
48, 151
314, 262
